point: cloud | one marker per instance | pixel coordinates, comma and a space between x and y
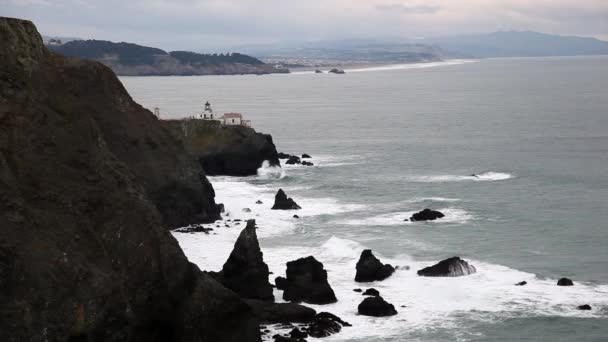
417, 9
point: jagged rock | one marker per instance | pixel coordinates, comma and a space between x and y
269, 312
282, 155
259, 202
377, 307
297, 333
325, 324
305, 163
307, 282
85, 173
371, 292
357, 290
293, 160
280, 283
245, 271
584, 307
369, 268
281, 202
306, 156
565, 282
426, 215
521, 283
452, 267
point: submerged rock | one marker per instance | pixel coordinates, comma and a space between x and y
325, 324
282, 202
371, 292
584, 307
336, 71
565, 282
259, 202
377, 307
305, 163
369, 268
245, 272
296, 216
426, 215
293, 160
358, 290
521, 283
307, 282
452, 267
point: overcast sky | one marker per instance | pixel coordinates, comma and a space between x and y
210, 25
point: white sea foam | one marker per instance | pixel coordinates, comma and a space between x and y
486, 176
270, 172
452, 216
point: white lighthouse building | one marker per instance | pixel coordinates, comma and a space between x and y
207, 114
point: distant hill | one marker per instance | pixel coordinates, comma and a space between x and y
519, 44
136, 60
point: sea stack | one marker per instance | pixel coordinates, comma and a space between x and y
452, 267
282, 202
369, 268
306, 281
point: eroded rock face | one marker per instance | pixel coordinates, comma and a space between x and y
452, 267
245, 271
307, 282
282, 202
369, 268
377, 307
84, 251
426, 215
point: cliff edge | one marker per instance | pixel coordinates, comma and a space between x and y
84, 172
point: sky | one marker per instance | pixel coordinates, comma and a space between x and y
219, 25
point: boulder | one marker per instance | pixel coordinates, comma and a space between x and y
426, 215
259, 202
564, 282
293, 160
297, 333
305, 163
280, 283
325, 324
282, 202
369, 268
358, 290
521, 283
307, 282
377, 307
306, 156
272, 313
584, 307
245, 272
296, 216
452, 267
282, 155
371, 292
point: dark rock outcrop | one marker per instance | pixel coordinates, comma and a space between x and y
306, 163
269, 312
293, 160
426, 215
306, 156
279, 338
521, 283
358, 290
282, 155
245, 271
369, 268
325, 324
565, 282
377, 307
584, 307
307, 282
371, 292
282, 202
280, 283
336, 71
297, 333
84, 250
452, 267
225, 150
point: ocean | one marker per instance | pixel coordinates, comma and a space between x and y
390, 141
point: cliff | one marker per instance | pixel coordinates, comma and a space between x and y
84, 252
127, 59
225, 150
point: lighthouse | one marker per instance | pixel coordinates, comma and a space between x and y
208, 112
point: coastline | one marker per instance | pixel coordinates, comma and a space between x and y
364, 67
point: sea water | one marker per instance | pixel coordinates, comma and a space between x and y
513, 151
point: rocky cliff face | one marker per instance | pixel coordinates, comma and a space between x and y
225, 150
84, 252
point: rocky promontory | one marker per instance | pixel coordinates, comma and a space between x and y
89, 181
225, 150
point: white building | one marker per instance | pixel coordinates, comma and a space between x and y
207, 114
231, 119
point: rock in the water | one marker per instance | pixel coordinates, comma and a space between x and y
259, 202
305, 163
371, 292
296, 216
564, 282
426, 215
245, 272
336, 71
325, 324
584, 307
279, 338
269, 312
521, 283
282, 155
280, 283
282, 202
369, 268
297, 333
293, 160
377, 307
246, 210
307, 282
452, 267
358, 290
306, 156
318, 71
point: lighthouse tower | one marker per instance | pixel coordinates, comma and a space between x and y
208, 112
